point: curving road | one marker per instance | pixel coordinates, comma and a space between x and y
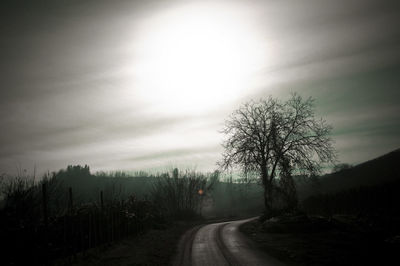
220, 244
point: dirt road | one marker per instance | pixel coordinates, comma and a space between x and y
220, 244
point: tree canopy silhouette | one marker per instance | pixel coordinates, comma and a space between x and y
277, 139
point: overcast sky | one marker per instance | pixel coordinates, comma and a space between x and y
84, 82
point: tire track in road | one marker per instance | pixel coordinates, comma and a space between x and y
205, 248
230, 259
220, 244
184, 255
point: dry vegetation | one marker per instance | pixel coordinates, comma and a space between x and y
72, 212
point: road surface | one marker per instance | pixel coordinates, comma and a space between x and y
220, 244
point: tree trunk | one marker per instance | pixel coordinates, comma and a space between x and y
267, 193
268, 200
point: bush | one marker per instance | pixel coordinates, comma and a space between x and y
179, 196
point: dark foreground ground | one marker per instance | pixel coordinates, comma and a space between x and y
341, 240
155, 247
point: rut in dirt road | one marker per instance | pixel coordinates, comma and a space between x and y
220, 244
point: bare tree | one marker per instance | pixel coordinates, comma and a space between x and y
275, 139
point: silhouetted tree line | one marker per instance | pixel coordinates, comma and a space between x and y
366, 201
44, 221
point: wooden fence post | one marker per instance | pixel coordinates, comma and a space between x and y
45, 219
45, 211
101, 217
90, 230
101, 200
70, 200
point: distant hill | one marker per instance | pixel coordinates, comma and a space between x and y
383, 169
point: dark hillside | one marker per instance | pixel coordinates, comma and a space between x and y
381, 170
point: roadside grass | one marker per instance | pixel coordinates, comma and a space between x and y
325, 242
154, 247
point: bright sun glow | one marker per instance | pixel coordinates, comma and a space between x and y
195, 58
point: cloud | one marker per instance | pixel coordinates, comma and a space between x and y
69, 93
